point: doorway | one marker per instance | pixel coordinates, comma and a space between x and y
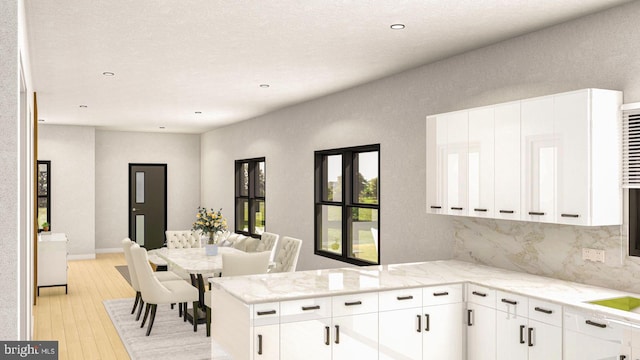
148, 204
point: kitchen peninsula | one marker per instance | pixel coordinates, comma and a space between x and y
335, 312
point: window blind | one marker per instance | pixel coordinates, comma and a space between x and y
631, 146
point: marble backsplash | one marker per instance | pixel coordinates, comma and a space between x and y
549, 250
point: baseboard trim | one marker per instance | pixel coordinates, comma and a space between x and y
81, 257
109, 250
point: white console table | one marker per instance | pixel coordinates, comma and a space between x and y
52, 260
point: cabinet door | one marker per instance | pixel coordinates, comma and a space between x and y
436, 150
309, 340
400, 334
585, 347
511, 336
507, 161
481, 162
544, 341
539, 154
456, 163
443, 336
355, 337
571, 123
481, 332
266, 342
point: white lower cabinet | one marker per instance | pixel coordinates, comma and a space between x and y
443, 336
422, 323
589, 337
355, 327
342, 327
481, 323
527, 328
400, 324
267, 342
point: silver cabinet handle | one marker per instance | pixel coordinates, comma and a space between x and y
337, 334
259, 344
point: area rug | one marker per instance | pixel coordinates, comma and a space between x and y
124, 271
170, 338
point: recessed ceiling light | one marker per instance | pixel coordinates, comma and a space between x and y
108, 73
40, 120
397, 26
83, 106
161, 127
198, 112
264, 86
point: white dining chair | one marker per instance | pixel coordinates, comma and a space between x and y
268, 242
237, 264
287, 253
155, 292
181, 239
133, 277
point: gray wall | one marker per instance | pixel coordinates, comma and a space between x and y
90, 181
71, 150
9, 206
115, 150
600, 51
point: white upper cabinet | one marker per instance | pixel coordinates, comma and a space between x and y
436, 147
447, 156
538, 161
507, 161
481, 162
456, 163
552, 159
587, 124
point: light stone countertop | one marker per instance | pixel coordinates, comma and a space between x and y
256, 289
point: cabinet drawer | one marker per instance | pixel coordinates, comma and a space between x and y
546, 312
355, 304
597, 326
265, 314
481, 295
307, 309
400, 299
439, 295
510, 303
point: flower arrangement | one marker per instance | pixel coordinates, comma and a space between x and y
210, 222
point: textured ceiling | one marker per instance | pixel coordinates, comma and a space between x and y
172, 58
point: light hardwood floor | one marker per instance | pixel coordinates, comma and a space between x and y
78, 320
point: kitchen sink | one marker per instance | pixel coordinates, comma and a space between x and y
624, 303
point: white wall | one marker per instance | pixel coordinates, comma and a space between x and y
71, 150
9, 181
601, 50
115, 150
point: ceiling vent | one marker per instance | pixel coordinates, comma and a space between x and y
631, 146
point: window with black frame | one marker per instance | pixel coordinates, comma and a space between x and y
347, 204
44, 195
250, 212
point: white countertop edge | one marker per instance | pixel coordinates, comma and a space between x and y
571, 294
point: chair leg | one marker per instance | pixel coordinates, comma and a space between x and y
140, 309
154, 307
184, 307
208, 310
172, 305
146, 314
195, 316
180, 310
135, 304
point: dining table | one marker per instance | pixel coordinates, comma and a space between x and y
198, 265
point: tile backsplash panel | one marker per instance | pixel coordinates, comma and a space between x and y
549, 250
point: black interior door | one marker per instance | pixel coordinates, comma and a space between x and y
148, 204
